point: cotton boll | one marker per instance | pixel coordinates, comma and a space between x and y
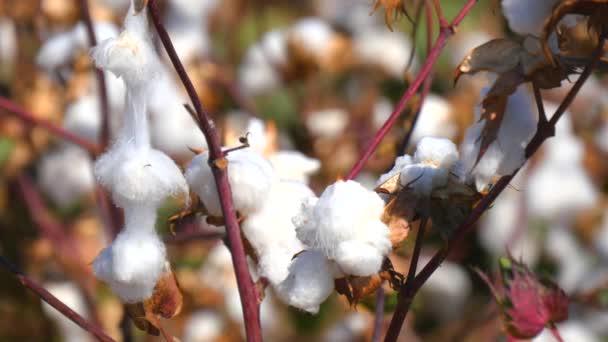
345, 211
294, 166
507, 152
173, 131
70, 295
434, 120
572, 330
358, 258
351, 14
202, 326
441, 153
217, 271
327, 123
313, 34
309, 283
8, 44
574, 262
388, 50
258, 73
601, 238
400, 163
103, 31
249, 174
351, 328
601, 137
66, 175
56, 51
527, 17
383, 108
139, 175
83, 119
132, 264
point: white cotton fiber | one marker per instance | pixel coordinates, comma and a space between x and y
313, 34
507, 152
346, 211
294, 165
203, 325
249, 174
434, 120
271, 232
438, 152
258, 73
327, 123
70, 295
387, 50
359, 258
527, 17
66, 175
82, 118
139, 175
309, 283
132, 264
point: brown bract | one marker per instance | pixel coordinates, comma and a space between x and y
393, 9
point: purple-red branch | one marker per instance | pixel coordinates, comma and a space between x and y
246, 287
55, 302
544, 132
14, 108
444, 33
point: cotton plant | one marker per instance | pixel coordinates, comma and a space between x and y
139, 177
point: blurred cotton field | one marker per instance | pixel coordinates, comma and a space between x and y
109, 199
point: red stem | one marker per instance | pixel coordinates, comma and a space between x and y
543, 133
49, 126
104, 139
55, 302
246, 287
444, 34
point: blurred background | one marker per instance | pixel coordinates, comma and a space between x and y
311, 82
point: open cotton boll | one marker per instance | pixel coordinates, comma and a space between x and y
66, 175
441, 153
82, 118
507, 152
527, 17
309, 283
351, 14
294, 166
400, 163
346, 211
360, 258
327, 123
139, 175
250, 176
435, 120
388, 50
313, 34
270, 230
132, 264
351, 328
70, 295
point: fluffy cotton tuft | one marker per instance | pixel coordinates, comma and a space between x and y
271, 231
327, 123
309, 283
294, 166
388, 50
203, 325
507, 152
258, 73
345, 225
435, 120
139, 175
69, 294
249, 174
428, 169
313, 34
131, 265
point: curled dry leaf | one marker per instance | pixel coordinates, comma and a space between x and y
356, 288
166, 302
596, 12
393, 9
497, 55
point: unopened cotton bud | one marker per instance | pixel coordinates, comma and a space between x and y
249, 174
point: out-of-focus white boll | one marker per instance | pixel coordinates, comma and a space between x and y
193, 10
352, 14
82, 118
294, 166
139, 175
499, 224
70, 295
601, 137
507, 152
132, 264
270, 230
387, 50
217, 271
527, 17
435, 120
250, 176
62, 47
345, 225
571, 330
574, 261
258, 73
8, 43
601, 238
66, 175
447, 289
327, 123
429, 169
203, 326
350, 328
313, 34
383, 108
309, 283
117, 6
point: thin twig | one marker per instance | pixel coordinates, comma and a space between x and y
541, 135
444, 34
54, 301
104, 107
246, 287
23, 114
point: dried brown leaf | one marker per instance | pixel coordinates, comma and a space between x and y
393, 9
451, 205
497, 55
